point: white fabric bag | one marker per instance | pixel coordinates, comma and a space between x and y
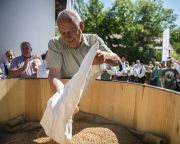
57, 118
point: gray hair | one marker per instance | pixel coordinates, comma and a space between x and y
69, 15
25, 43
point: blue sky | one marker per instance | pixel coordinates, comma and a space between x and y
171, 4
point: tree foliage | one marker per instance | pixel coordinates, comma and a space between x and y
60, 5
81, 8
94, 17
175, 40
129, 28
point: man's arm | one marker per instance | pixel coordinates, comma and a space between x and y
176, 61
112, 59
17, 72
104, 57
54, 76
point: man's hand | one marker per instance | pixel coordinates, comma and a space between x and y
112, 59
99, 58
35, 65
104, 57
25, 64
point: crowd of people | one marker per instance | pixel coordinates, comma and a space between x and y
66, 52
164, 74
161, 74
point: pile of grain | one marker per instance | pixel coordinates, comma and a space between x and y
102, 134
87, 129
93, 129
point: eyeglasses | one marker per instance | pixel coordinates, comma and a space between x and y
73, 32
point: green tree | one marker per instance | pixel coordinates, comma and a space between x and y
94, 17
81, 8
175, 40
154, 18
60, 5
129, 28
139, 25
121, 16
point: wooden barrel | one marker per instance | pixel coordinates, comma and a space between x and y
142, 107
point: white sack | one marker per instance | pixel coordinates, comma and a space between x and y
56, 119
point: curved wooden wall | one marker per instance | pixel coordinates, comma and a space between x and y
138, 106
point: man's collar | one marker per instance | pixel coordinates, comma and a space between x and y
85, 40
26, 57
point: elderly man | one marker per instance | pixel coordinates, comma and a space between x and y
66, 52
24, 66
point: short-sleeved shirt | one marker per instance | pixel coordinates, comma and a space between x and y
69, 59
28, 72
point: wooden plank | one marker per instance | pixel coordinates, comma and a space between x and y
37, 93
156, 112
175, 132
12, 99
112, 100
141, 107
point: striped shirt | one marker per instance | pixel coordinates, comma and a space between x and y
18, 62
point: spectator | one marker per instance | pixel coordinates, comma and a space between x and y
132, 78
142, 72
178, 84
156, 73
122, 72
1, 74
163, 64
129, 71
43, 71
108, 72
151, 65
24, 66
139, 72
169, 75
177, 64
148, 74
5, 65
